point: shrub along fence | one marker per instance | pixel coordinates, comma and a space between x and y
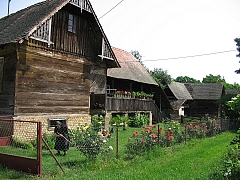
21, 138
92, 140
20, 145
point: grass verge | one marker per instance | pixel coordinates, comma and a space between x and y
198, 159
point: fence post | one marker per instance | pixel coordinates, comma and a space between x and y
39, 147
116, 142
158, 135
185, 130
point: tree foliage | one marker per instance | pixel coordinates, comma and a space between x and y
186, 79
232, 86
234, 104
218, 79
137, 55
213, 79
237, 40
161, 77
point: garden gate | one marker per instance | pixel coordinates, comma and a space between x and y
21, 145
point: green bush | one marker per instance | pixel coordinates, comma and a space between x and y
177, 130
143, 141
90, 142
98, 121
138, 120
22, 144
231, 169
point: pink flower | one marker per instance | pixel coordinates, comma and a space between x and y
135, 133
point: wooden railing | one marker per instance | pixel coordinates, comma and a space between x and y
126, 105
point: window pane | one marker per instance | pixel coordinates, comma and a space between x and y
52, 122
72, 23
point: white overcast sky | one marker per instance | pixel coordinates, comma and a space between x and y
163, 29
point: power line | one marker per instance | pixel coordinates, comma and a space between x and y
111, 9
191, 56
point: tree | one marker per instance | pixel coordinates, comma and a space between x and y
213, 79
232, 86
186, 79
234, 104
161, 77
225, 112
137, 55
237, 40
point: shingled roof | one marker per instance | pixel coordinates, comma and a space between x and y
206, 91
180, 91
131, 68
19, 25
233, 91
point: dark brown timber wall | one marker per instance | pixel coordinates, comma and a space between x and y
53, 83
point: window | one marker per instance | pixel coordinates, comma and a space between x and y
52, 122
1, 73
72, 23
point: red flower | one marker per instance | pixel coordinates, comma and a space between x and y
153, 135
148, 130
160, 131
135, 133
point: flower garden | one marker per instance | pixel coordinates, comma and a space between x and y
133, 94
159, 149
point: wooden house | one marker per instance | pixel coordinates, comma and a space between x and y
205, 97
133, 77
179, 98
53, 55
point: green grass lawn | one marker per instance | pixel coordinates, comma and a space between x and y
198, 159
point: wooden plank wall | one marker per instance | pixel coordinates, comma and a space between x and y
85, 41
53, 84
199, 108
7, 93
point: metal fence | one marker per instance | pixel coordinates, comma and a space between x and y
20, 145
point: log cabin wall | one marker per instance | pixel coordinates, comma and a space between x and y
8, 53
53, 83
52, 72
199, 108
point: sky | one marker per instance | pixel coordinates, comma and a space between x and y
164, 31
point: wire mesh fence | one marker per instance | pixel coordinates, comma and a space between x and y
18, 138
93, 142
20, 145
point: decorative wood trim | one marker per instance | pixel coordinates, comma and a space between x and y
83, 4
43, 32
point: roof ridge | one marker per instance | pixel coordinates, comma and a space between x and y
24, 9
